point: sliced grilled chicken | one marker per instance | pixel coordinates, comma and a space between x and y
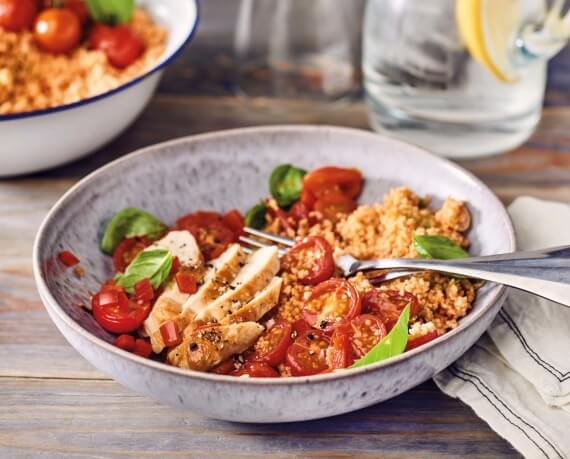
182, 245
207, 346
258, 271
217, 281
169, 304
261, 304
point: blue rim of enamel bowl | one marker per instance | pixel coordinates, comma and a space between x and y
112, 92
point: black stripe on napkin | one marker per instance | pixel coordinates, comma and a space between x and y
479, 385
549, 368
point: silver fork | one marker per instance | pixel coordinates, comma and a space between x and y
545, 273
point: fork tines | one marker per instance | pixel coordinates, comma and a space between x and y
262, 239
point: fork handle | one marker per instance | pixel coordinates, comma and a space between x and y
543, 272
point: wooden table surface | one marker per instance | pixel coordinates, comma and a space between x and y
54, 404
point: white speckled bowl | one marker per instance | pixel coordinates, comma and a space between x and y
230, 169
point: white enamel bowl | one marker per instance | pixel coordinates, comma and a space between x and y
38, 140
227, 170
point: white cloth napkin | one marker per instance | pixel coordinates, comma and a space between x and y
517, 376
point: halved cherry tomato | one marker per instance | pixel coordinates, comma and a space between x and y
234, 221
300, 327
327, 179
120, 43
127, 250
142, 348
307, 198
125, 342
116, 313
67, 258
277, 340
144, 290
170, 333
57, 30
333, 204
365, 332
256, 370
224, 368
339, 354
421, 340
308, 353
212, 235
17, 15
318, 252
186, 282
299, 211
331, 302
389, 304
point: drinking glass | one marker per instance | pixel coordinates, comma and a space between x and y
462, 78
299, 48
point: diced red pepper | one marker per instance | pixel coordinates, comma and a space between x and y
186, 283
142, 348
144, 290
125, 342
170, 333
68, 258
175, 265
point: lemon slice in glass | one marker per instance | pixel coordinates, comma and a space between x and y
488, 29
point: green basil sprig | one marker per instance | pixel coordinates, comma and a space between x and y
286, 184
153, 265
111, 12
438, 247
256, 216
394, 343
130, 222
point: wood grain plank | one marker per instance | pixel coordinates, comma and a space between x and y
102, 419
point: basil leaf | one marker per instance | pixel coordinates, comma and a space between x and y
438, 247
111, 12
154, 265
255, 217
130, 222
394, 343
286, 184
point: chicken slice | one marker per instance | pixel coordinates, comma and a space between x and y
169, 304
208, 346
181, 244
225, 268
260, 268
261, 304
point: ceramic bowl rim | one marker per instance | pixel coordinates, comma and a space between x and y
51, 303
162, 63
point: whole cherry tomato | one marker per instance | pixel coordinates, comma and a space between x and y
333, 204
17, 15
120, 43
57, 30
